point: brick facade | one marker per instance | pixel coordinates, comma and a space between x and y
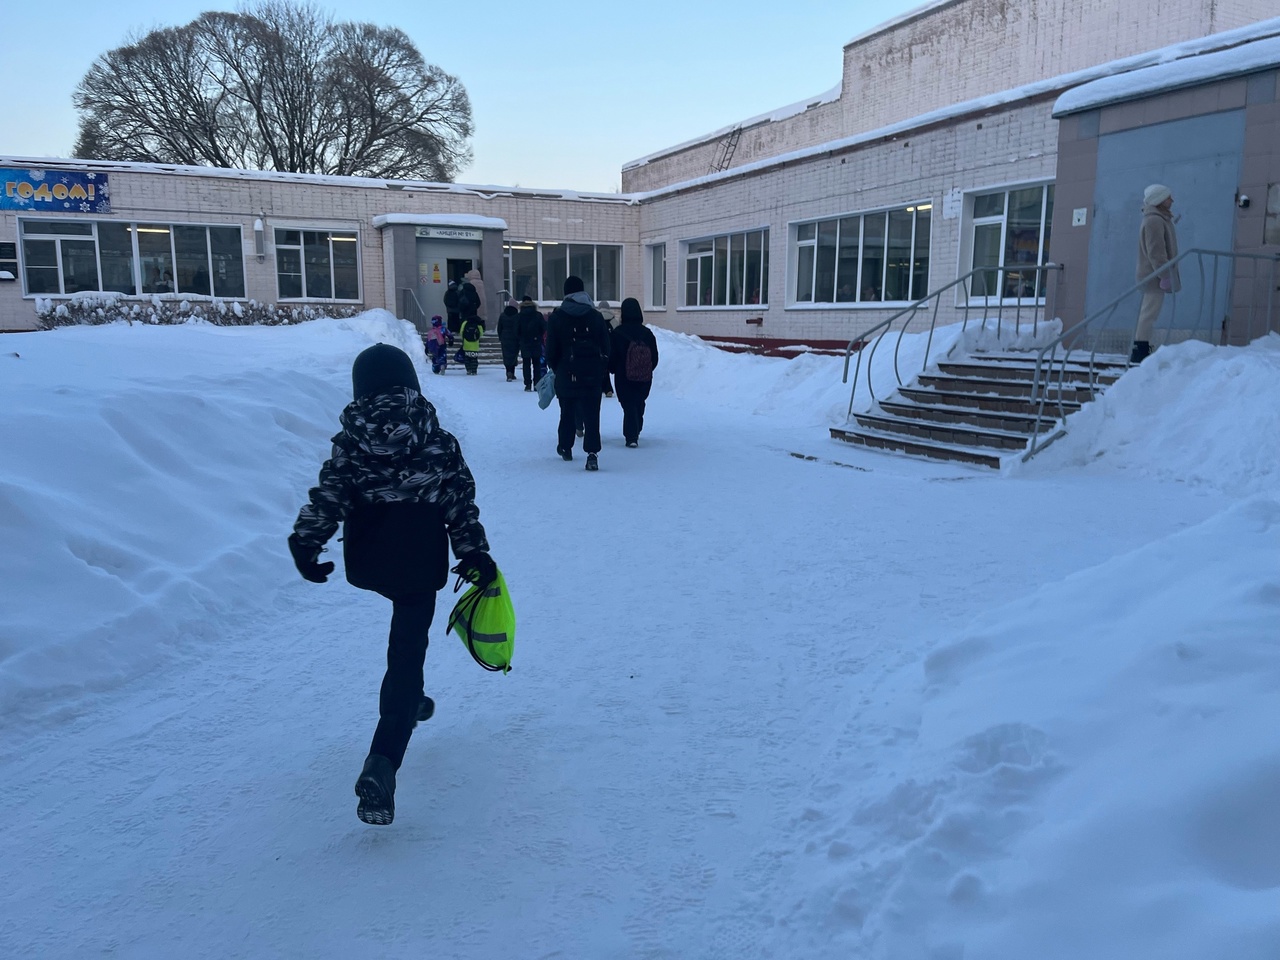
908, 68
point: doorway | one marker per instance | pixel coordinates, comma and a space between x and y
439, 261
1199, 160
459, 268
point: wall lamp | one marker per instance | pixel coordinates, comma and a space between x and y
259, 239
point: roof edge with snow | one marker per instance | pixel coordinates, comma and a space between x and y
1060, 84
774, 116
1187, 70
484, 191
472, 220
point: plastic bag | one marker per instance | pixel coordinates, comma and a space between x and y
547, 389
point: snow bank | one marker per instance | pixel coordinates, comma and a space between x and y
1085, 763
805, 390
1192, 413
137, 517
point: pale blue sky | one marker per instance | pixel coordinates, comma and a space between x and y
563, 92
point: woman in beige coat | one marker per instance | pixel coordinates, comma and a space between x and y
1157, 245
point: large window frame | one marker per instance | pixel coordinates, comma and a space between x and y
543, 265
317, 263
871, 257
132, 258
728, 271
1009, 228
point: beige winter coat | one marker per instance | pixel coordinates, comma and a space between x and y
1157, 245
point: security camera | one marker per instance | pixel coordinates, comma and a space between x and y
1242, 201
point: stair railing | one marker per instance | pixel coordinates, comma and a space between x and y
1051, 368
411, 310
1033, 306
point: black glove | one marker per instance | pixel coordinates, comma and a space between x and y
477, 568
304, 558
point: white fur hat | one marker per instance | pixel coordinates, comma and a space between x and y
1156, 194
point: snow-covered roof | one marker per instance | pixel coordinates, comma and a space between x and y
913, 14
1184, 71
441, 220
1229, 40
484, 191
782, 113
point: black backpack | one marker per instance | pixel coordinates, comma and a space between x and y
471, 331
584, 357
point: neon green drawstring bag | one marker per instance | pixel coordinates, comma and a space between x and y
485, 622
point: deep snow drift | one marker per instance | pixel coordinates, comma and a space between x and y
763, 706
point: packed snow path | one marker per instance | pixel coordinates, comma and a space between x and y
708, 627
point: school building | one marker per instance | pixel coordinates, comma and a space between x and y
965, 143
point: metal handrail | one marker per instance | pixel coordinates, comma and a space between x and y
885, 326
407, 297
1041, 387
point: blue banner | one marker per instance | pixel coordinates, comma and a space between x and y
54, 191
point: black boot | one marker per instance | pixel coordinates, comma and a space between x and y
426, 710
376, 789
1141, 350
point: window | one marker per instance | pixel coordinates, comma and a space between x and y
317, 265
726, 271
1011, 229
538, 269
9, 261
658, 275
873, 257
64, 257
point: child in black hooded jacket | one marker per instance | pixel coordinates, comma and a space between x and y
401, 488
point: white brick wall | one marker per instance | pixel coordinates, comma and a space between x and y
219, 198
961, 51
1017, 145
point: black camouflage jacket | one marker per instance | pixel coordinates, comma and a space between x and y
400, 485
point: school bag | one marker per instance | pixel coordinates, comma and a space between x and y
639, 363
584, 362
485, 622
471, 331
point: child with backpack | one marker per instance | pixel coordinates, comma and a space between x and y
438, 340
578, 352
398, 484
472, 331
633, 356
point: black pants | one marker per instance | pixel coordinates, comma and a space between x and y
532, 354
510, 352
632, 400
402, 685
586, 408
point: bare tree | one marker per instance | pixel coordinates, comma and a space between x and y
278, 86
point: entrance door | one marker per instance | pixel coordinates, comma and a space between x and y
1199, 160
459, 268
440, 261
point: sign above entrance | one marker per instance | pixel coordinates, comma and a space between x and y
448, 233
54, 190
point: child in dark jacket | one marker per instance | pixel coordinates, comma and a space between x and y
633, 356
399, 485
509, 338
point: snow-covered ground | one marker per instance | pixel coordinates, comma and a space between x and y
762, 706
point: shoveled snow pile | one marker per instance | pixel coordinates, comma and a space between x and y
774, 696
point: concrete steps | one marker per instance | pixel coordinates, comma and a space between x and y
978, 410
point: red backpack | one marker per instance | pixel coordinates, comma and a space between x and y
639, 363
